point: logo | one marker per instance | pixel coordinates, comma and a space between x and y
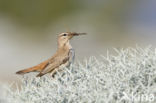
134, 97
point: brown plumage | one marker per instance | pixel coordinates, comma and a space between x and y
63, 57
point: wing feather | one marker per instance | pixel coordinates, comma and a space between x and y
51, 66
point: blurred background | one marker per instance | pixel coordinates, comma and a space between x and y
29, 29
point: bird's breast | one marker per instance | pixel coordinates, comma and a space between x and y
71, 57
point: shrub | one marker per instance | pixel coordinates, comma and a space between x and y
127, 77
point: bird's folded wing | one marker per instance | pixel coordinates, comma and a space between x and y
51, 66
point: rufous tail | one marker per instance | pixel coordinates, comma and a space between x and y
38, 68
26, 71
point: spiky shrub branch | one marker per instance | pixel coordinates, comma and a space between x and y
113, 79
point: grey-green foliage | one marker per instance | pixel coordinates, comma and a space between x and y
107, 80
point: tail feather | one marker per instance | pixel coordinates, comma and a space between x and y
20, 72
26, 71
38, 68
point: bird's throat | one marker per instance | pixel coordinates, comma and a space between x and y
66, 45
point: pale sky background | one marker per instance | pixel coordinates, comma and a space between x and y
28, 29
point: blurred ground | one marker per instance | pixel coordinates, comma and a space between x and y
28, 29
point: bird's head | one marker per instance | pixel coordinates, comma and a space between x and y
64, 38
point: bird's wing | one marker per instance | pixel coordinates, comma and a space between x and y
56, 62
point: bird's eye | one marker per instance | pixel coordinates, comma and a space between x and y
64, 34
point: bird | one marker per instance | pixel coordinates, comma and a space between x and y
63, 57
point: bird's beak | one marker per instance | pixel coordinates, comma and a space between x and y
76, 34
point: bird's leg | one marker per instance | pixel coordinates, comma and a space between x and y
53, 73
